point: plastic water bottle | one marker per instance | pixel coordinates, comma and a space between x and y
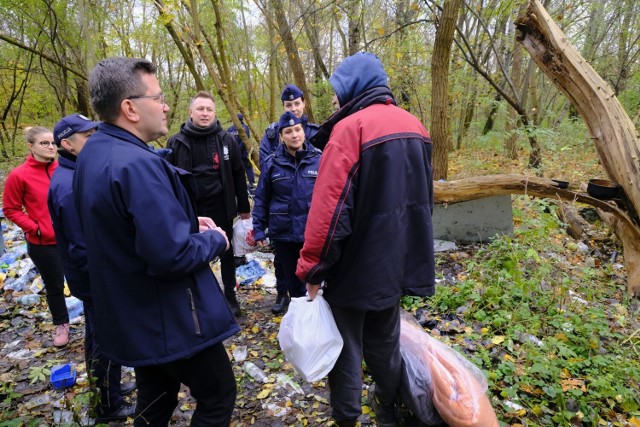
30, 299
255, 372
74, 307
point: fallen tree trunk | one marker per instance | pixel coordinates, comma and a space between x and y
611, 129
479, 187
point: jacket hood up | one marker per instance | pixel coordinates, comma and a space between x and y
356, 74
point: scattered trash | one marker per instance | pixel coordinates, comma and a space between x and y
63, 376
18, 285
444, 245
41, 399
23, 354
74, 307
63, 417
29, 299
523, 337
255, 372
250, 272
276, 410
288, 384
240, 353
514, 406
576, 298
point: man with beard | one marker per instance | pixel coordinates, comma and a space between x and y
205, 149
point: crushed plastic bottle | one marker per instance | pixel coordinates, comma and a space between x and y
62, 417
30, 299
18, 284
39, 400
288, 384
255, 372
74, 307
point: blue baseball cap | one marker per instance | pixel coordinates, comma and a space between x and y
291, 92
288, 119
72, 124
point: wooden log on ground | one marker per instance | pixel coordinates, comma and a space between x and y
570, 216
479, 187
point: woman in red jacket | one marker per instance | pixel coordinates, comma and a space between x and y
25, 204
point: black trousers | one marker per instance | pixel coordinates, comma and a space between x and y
47, 260
376, 336
288, 254
210, 379
281, 280
227, 262
107, 374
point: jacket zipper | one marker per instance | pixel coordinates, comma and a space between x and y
194, 314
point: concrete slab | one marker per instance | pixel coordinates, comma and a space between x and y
473, 221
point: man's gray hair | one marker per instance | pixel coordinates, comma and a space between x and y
114, 79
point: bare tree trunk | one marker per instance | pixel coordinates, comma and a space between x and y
355, 35
273, 73
440, 131
245, 59
291, 47
467, 114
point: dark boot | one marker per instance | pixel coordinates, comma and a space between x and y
385, 412
346, 423
282, 302
120, 414
233, 303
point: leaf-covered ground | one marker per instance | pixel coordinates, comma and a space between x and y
543, 315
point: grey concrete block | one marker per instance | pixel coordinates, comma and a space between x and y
473, 221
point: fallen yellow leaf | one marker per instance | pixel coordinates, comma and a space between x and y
498, 339
264, 393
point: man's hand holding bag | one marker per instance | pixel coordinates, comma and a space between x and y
309, 337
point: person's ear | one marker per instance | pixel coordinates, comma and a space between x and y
67, 145
130, 110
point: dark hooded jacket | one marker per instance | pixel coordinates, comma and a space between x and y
66, 224
156, 299
284, 194
271, 138
234, 183
369, 233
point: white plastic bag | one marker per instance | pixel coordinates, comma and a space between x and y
243, 242
309, 337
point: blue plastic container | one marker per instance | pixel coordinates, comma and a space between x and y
63, 376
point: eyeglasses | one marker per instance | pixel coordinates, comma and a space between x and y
159, 98
47, 144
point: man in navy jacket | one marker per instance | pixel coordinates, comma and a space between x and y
369, 235
70, 135
158, 305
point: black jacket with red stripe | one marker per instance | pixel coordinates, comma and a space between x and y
369, 234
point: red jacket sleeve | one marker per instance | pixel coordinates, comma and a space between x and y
329, 221
14, 190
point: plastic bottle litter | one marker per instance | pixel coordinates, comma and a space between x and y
39, 400
276, 410
62, 417
255, 372
8, 258
18, 284
287, 383
74, 307
30, 299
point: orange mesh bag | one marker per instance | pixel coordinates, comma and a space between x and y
458, 386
